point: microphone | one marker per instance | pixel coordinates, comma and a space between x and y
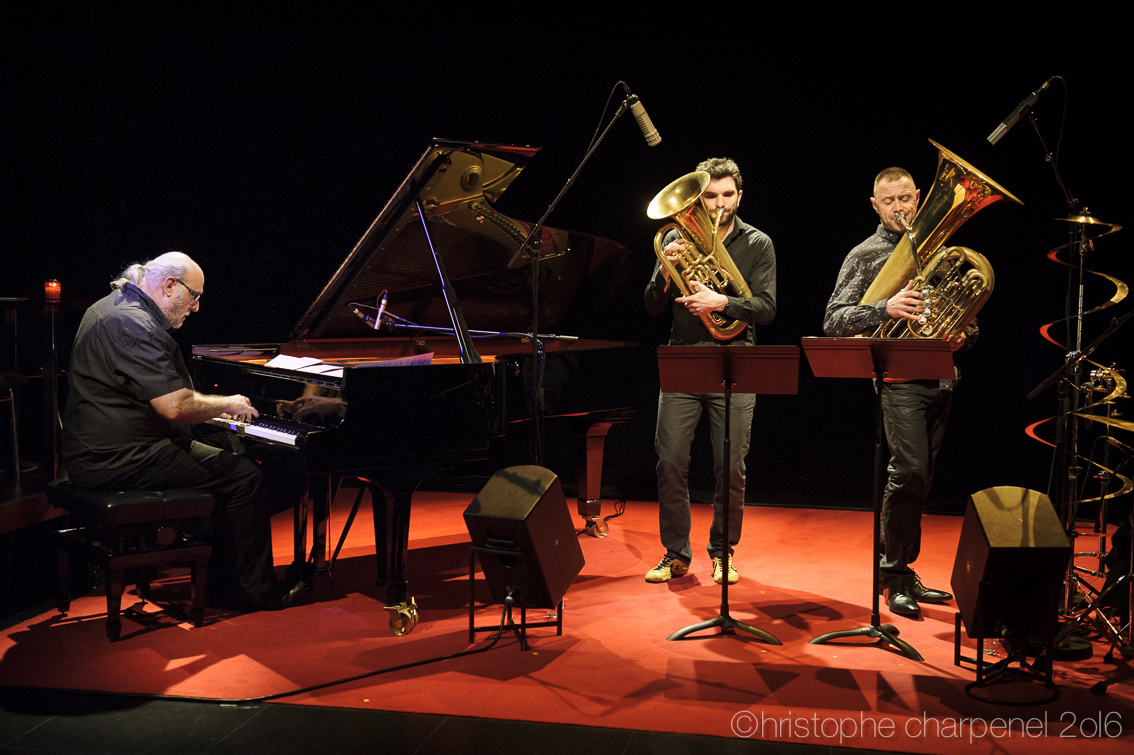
376, 321
638, 110
1014, 116
381, 310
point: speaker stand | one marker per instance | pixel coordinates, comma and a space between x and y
1016, 650
519, 630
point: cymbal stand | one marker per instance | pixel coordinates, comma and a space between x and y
1080, 590
1103, 622
1106, 625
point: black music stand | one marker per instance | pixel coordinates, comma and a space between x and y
747, 369
878, 358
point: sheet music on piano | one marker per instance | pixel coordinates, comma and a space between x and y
319, 367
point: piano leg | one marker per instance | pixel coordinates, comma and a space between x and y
321, 491
301, 512
312, 566
391, 547
391, 538
593, 443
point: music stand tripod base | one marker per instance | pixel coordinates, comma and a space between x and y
887, 632
726, 623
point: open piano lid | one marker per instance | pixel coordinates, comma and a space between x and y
457, 182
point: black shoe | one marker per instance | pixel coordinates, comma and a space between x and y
925, 594
901, 602
276, 598
288, 592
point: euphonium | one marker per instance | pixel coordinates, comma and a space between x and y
704, 258
953, 294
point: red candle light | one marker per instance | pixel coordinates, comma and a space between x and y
52, 291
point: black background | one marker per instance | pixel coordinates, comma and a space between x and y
262, 139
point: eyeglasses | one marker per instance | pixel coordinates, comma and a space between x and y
196, 294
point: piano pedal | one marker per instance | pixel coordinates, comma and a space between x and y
403, 617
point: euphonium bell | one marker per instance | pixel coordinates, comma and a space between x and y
953, 294
704, 258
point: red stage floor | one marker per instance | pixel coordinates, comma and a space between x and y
803, 573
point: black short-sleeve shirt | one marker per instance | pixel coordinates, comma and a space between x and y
124, 356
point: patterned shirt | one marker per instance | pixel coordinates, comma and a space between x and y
844, 315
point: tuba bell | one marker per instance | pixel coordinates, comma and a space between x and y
955, 281
705, 259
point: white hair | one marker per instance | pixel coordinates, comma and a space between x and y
168, 265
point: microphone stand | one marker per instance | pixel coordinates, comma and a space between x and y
536, 395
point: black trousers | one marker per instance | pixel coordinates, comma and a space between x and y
241, 566
914, 415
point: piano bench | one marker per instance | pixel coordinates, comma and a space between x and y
129, 534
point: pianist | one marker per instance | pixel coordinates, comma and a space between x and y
126, 425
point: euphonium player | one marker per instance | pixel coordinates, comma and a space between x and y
678, 413
914, 412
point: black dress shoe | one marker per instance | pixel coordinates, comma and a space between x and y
288, 592
901, 602
276, 598
925, 594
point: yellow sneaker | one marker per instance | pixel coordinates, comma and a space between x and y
668, 568
733, 574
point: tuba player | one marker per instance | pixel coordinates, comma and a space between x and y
678, 413
914, 412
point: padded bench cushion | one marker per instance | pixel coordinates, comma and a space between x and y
116, 508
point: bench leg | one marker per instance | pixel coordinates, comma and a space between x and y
199, 581
114, 590
63, 586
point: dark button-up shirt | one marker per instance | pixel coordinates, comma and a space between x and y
124, 356
844, 315
754, 256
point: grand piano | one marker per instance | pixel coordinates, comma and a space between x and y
382, 383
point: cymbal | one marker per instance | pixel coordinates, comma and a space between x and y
1092, 226
1125, 424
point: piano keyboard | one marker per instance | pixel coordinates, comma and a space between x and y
271, 429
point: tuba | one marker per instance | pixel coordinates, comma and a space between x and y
704, 259
955, 281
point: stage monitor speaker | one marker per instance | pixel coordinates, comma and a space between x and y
522, 509
1011, 561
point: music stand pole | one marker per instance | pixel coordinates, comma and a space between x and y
702, 369
877, 359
